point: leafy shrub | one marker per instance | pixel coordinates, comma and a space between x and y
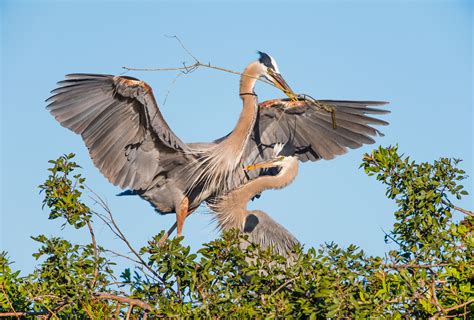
429, 274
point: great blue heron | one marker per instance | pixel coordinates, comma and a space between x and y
133, 146
231, 208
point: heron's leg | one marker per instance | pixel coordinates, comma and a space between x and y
182, 214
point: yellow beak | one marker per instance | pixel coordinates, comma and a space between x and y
281, 84
261, 165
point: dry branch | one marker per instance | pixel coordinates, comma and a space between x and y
19, 314
197, 64
96, 253
125, 300
452, 206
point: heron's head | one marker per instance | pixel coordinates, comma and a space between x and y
277, 160
271, 73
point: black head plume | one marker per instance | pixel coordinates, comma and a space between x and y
266, 60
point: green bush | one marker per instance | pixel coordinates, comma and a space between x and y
429, 274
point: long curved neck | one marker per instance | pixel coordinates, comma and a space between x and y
216, 166
249, 108
286, 175
231, 209
249, 77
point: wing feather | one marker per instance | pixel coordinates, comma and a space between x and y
119, 121
308, 130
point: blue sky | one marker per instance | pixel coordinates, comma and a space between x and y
417, 55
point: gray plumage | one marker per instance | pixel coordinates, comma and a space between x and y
131, 144
231, 209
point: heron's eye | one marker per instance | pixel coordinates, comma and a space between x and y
270, 71
281, 158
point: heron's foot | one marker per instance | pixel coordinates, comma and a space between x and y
167, 235
163, 239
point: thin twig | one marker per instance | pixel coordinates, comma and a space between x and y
391, 238
170, 87
107, 222
89, 313
435, 297
51, 313
188, 69
468, 302
19, 314
96, 254
122, 237
118, 254
415, 266
129, 312
183, 46
130, 301
117, 310
444, 311
139, 257
458, 315
455, 316
282, 286
8, 300
452, 206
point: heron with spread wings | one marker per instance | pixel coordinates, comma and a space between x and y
132, 145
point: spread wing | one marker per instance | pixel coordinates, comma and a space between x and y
120, 123
307, 130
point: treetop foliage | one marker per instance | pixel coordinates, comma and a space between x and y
430, 272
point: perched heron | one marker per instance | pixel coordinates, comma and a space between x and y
132, 145
231, 208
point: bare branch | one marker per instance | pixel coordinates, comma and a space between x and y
107, 222
452, 206
118, 254
51, 313
459, 306
197, 64
117, 310
390, 237
445, 311
458, 315
117, 231
8, 300
96, 254
282, 286
130, 301
171, 86
182, 46
19, 314
129, 312
415, 266
435, 296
